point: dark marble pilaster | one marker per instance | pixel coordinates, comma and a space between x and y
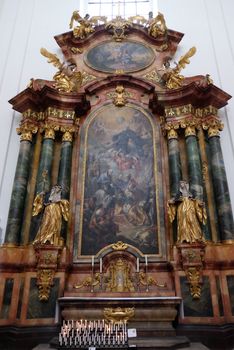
64, 175
194, 163
19, 191
174, 162
45, 165
221, 192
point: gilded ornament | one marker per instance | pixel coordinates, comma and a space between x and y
189, 212
84, 28
67, 79
172, 134
119, 279
76, 50
119, 27
26, 130
162, 48
49, 134
44, 283
30, 114
59, 113
138, 19
119, 246
213, 131
85, 25
89, 281
171, 76
119, 71
153, 76
119, 314
55, 209
87, 78
209, 80
146, 280
190, 131
67, 137
157, 26
119, 96
26, 136
194, 275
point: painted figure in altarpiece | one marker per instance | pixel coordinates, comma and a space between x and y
55, 209
190, 212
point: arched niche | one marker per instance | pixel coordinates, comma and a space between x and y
120, 194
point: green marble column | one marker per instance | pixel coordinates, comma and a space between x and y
19, 191
221, 192
45, 166
64, 175
43, 183
194, 163
195, 172
174, 162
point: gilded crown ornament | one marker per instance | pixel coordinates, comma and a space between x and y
119, 26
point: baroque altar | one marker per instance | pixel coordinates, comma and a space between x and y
120, 198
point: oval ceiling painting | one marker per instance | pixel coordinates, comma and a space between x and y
112, 57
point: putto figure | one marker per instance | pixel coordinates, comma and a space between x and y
55, 209
190, 212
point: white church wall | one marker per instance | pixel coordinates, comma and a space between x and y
28, 25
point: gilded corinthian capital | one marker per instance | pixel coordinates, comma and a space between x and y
172, 134
213, 131
190, 131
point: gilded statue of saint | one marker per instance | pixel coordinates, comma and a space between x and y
190, 213
55, 209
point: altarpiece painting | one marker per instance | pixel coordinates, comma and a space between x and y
119, 197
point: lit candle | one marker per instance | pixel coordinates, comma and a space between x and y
92, 260
138, 265
100, 265
146, 260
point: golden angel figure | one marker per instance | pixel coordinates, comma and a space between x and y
189, 212
172, 76
55, 209
157, 26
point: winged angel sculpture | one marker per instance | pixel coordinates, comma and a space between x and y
85, 25
67, 79
172, 76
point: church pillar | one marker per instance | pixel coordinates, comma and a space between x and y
195, 171
19, 190
220, 184
64, 175
194, 163
44, 172
43, 182
174, 162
